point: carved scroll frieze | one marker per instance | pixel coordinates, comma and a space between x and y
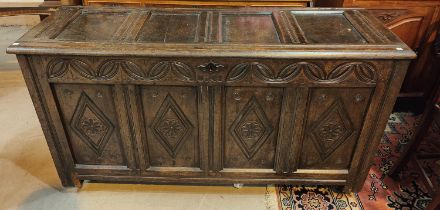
130, 68
363, 72
58, 68
310, 70
108, 69
303, 71
179, 69
243, 70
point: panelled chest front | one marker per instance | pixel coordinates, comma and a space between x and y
212, 95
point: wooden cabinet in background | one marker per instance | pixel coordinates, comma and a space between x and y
410, 24
415, 22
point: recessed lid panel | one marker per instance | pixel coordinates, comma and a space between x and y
238, 32
327, 28
170, 28
94, 26
249, 28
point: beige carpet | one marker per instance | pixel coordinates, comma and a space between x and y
9, 34
28, 179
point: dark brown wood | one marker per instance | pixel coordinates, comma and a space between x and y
200, 3
416, 24
245, 95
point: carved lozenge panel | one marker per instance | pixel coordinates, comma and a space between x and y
171, 125
91, 124
334, 120
251, 127
90, 120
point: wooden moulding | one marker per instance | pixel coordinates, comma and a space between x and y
212, 95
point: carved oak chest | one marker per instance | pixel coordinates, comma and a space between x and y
212, 95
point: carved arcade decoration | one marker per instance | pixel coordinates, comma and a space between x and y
245, 70
310, 70
59, 67
129, 67
181, 70
249, 71
364, 72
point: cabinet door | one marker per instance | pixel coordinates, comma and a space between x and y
250, 128
93, 128
172, 144
410, 24
333, 123
416, 27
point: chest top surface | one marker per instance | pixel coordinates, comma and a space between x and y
208, 32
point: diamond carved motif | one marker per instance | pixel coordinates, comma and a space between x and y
91, 125
331, 129
251, 128
171, 126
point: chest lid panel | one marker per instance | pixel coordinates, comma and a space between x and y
239, 32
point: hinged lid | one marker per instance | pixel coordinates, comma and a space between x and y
205, 32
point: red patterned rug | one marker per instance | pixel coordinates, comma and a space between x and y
379, 191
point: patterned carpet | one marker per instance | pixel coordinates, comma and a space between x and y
379, 191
